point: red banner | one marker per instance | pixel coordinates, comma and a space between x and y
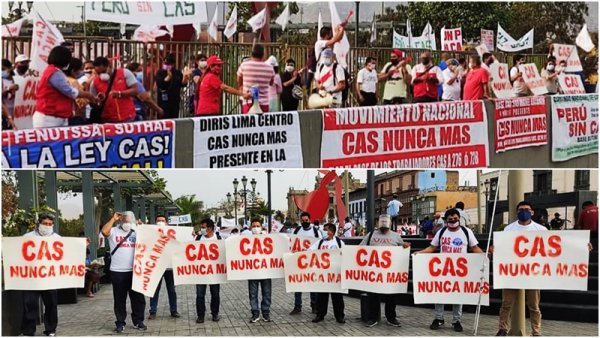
520, 122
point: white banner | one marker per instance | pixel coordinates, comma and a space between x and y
153, 255
452, 39
180, 219
506, 43
231, 26
314, 271
574, 126
450, 279
43, 263
487, 38
227, 222
213, 27
13, 29
201, 262
256, 140
500, 80
481, 49
25, 99
301, 243
383, 269
570, 84
547, 260
569, 54
147, 12
181, 234
258, 20
341, 48
256, 256
400, 41
532, 79
584, 40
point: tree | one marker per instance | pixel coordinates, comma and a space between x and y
9, 193
189, 205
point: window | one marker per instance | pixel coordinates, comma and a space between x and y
582, 180
542, 181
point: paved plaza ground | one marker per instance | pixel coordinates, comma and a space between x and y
95, 317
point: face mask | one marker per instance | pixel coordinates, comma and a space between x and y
371, 66
256, 231
327, 62
425, 61
5, 74
550, 68
104, 77
305, 225
139, 76
524, 216
203, 231
383, 229
46, 230
161, 223
395, 61
289, 69
202, 64
167, 67
126, 227
290, 231
453, 225
23, 69
88, 71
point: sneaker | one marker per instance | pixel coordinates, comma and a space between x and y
216, 318
296, 311
457, 327
200, 320
318, 319
152, 316
393, 322
341, 321
436, 324
255, 318
266, 317
371, 323
53, 334
502, 333
175, 314
140, 326
119, 329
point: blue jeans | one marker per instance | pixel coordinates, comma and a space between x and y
456, 312
168, 277
265, 304
298, 299
215, 299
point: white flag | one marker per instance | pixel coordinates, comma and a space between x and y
258, 21
231, 27
170, 30
45, 37
506, 43
145, 33
123, 29
409, 32
12, 29
213, 27
284, 17
428, 33
373, 31
342, 48
319, 26
583, 40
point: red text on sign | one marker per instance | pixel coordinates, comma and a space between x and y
383, 260
44, 252
253, 246
523, 247
449, 267
314, 260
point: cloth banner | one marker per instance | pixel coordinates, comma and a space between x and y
314, 271
25, 99
255, 140
13, 29
147, 12
342, 48
532, 79
574, 126
43, 263
227, 222
258, 21
231, 26
400, 41
147, 33
180, 219
452, 39
547, 260
423, 135
570, 84
500, 80
569, 54
147, 144
284, 18
256, 256
583, 40
487, 38
506, 43
301, 243
481, 49
520, 122
380, 268
213, 27
200, 262
181, 234
450, 279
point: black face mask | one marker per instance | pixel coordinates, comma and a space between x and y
425, 61
305, 225
395, 61
22, 69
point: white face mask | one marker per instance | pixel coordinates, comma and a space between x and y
202, 64
161, 223
256, 231
289, 69
46, 230
126, 226
104, 77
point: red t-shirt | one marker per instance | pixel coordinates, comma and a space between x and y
474, 84
210, 95
588, 219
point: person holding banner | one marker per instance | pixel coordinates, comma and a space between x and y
516, 77
79, 108
115, 92
207, 233
22, 65
121, 241
550, 76
397, 76
253, 284
453, 238
337, 299
327, 39
425, 78
49, 297
383, 237
330, 79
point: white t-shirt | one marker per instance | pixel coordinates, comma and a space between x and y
367, 80
327, 244
322, 71
213, 238
451, 91
519, 86
348, 229
35, 233
122, 260
395, 85
320, 45
454, 241
309, 233
464, 218
533, 226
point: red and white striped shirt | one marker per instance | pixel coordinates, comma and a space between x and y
257, 73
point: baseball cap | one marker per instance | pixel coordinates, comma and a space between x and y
398, 53
21, 58
214, 60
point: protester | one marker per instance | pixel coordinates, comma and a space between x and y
308, 230
425, 78
438, 222
207, 233
476, 81
196, 71
452, 81
382, 237
276, 87
255, 72
143, 99
211, 88
54, 94
161, 220
169, 81
550, 76
121, 240
588, 218
31, 298
465, 220
330, 78
74, 72
9, 88
516, 77
460, 240
442, 65
487, 60
265, 286
366, 83
557, 223
397, 78
427, 227
291, 82
21, 65
337, 299
393, 209
116, 90
347, 230
327, 39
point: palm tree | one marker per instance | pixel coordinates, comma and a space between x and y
189, 205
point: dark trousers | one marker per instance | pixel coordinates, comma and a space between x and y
395, 100
370, 99
338, 305
215, 299
30, 311
375, 306
289, 105
298, 299
424, 99
394, 220
121, 282
170, 283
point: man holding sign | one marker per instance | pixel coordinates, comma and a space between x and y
265, 285
207, 233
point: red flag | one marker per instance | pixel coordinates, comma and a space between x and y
316, 202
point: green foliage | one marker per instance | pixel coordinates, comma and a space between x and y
9, 192
71, 227
189, 205
22, 221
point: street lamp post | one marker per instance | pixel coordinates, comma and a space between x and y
235, 195
244, 183
228, 200
486, 184
269, 216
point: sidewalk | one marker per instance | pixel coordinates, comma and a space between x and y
95, 317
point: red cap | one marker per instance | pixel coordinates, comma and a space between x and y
398, 53
214, 60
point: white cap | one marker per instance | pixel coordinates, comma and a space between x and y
272, 61
21, 58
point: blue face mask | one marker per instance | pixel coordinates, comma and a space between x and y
5, 74
524, 216
203, 231
139, 76
289, 231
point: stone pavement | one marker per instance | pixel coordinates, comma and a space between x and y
95, 317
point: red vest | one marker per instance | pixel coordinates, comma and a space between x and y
116, 110
425, 89
49, 101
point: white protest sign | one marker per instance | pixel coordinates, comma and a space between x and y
452, 39
399, 41
548, 260
481, 49
301, 243
200, 262
506, 43
532, 79
520, 122
569, 54
153, 252
256, 140
256, 256
570, 84
574, 126
180, 219
500, 80
147, 12
314, 271
25, 99
450, 279
381, 268
43, 263
487, 38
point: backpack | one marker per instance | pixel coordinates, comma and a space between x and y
347, 81
369, 237
216, 233
316, 231
337, 239
464, 229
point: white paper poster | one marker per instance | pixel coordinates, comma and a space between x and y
574, 126
500, 80
569, 54
314, 271
147, 12
256, 256
200, 262
532, 79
